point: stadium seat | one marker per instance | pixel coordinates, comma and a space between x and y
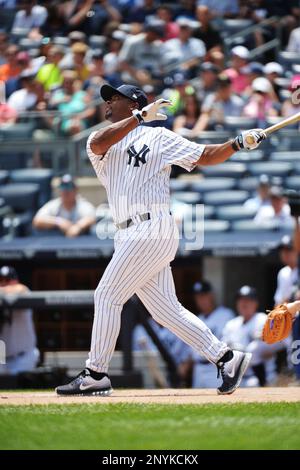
178, 184
235, 25
27, 43
61, 41
293, 182
288, 59
97, 42
236, 123
19, 131
236, 212
250, 225
244, 157
228, 169
40, 176
248, 184
270, 168
23, 199
212, 184
225, 197
216, 225
287, 156
3, 177
188, 197
213, 137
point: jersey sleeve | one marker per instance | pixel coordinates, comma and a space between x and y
176, 150
98, 161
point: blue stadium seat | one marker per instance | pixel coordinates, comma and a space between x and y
227, 169
177, 184
23, 199
40, 176
293, 182
188, 197
248, 184
212, 184
235, 123
245, 157
270, 168
236, 212
3, 176
251, 226
288, 156
221, 198
288, 59
97, 42
216, 226
213, 137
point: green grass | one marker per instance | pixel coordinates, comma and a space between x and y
130, 426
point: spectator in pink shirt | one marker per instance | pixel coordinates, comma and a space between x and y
262, 102
239, 61
164, 13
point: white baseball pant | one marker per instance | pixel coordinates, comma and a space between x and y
141, 265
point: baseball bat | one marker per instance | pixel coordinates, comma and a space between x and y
279, 125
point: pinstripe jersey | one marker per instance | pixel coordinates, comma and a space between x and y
136, 171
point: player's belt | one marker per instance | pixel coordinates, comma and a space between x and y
135, 220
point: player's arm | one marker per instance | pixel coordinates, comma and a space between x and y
219, 153
111, 135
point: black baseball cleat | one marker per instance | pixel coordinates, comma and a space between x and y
85, 385
232, 366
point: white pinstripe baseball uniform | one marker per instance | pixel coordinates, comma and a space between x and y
135, 173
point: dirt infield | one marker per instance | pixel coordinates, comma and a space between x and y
163, 396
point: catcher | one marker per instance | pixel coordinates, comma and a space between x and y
279, 322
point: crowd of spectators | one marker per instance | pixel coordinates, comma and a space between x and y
56, 54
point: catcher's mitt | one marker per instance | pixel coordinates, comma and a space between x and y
278, 325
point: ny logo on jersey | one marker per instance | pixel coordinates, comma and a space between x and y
139, 156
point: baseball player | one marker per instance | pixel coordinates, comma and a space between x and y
134, 162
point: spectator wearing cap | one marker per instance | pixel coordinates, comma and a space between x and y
69, 214
287, 277
225, 8
244, 332
184, 52
291, 105
273, 71
11, 68
262, 197
49, 75
164, 13
206, 82
262, 102
185, 122
16, 328
67, 61
279, 212
91, 16
14, 84
27, 97
73, 104
79, 50
239, 61
141, 55
206, 32
178, 88
30, 17
111, 60
218, 105
215, 318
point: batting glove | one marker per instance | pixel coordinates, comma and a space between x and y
151, 111
249, 140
